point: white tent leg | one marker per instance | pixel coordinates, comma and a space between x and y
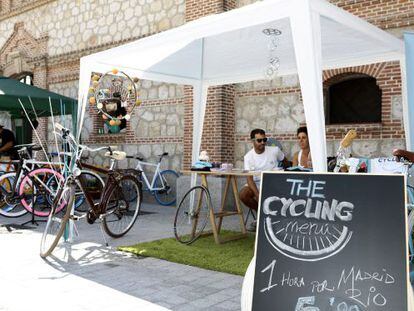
407, 121
199, 110
84, 80
306, 35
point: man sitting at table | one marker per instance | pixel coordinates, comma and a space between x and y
260, 158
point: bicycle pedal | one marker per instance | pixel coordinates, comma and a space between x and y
75, 217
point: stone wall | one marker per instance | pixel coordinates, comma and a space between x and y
76, 25
60, 32
69, 89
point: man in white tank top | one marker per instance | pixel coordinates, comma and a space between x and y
260, 158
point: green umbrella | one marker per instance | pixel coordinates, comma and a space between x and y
12, 90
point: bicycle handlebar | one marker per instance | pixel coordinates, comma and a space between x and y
65, 133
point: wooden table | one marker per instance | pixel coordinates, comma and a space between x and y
231, 179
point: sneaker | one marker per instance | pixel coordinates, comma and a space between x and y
252, 226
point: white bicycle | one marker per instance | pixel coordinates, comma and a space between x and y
163, 184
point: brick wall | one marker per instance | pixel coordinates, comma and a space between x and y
218, 132
382, 13
195, 9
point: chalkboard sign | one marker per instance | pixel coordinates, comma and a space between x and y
331, 242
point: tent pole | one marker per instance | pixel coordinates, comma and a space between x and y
199, 108
84, 76
306, 34
407, 80
407, 120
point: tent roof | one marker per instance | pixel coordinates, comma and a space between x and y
234, 49
11, 90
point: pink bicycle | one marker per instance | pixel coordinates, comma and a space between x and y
30, 187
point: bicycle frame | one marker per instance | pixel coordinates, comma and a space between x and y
79, 181
151, 186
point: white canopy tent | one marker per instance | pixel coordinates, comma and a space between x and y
231, 48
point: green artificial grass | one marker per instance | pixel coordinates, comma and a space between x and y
230, 257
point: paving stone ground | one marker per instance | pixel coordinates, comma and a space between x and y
87, 275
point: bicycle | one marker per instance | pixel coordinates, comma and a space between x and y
20, 190
115, 208
164, 182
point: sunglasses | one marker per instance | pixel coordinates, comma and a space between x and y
260, 140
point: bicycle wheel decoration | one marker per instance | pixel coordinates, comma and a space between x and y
115, 96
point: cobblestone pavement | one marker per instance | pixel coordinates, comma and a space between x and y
86, 275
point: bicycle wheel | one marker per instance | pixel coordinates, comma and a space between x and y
10, 207
40, 177
192, 215
119, 212
56, 222
167, 180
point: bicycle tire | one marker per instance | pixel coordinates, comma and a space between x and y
192, 215
26, 183
167, 196
9, 210
65, 196
118, 209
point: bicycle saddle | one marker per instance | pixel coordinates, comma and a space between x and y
116, 155
135, 157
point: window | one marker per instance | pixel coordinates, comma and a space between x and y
353, 98
27, 79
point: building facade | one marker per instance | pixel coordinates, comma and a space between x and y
45, 39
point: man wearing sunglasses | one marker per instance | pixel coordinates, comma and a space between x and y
260, 158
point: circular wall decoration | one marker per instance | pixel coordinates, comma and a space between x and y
115, 95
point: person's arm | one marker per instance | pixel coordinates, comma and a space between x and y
295, 161
7, 147
250, 181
